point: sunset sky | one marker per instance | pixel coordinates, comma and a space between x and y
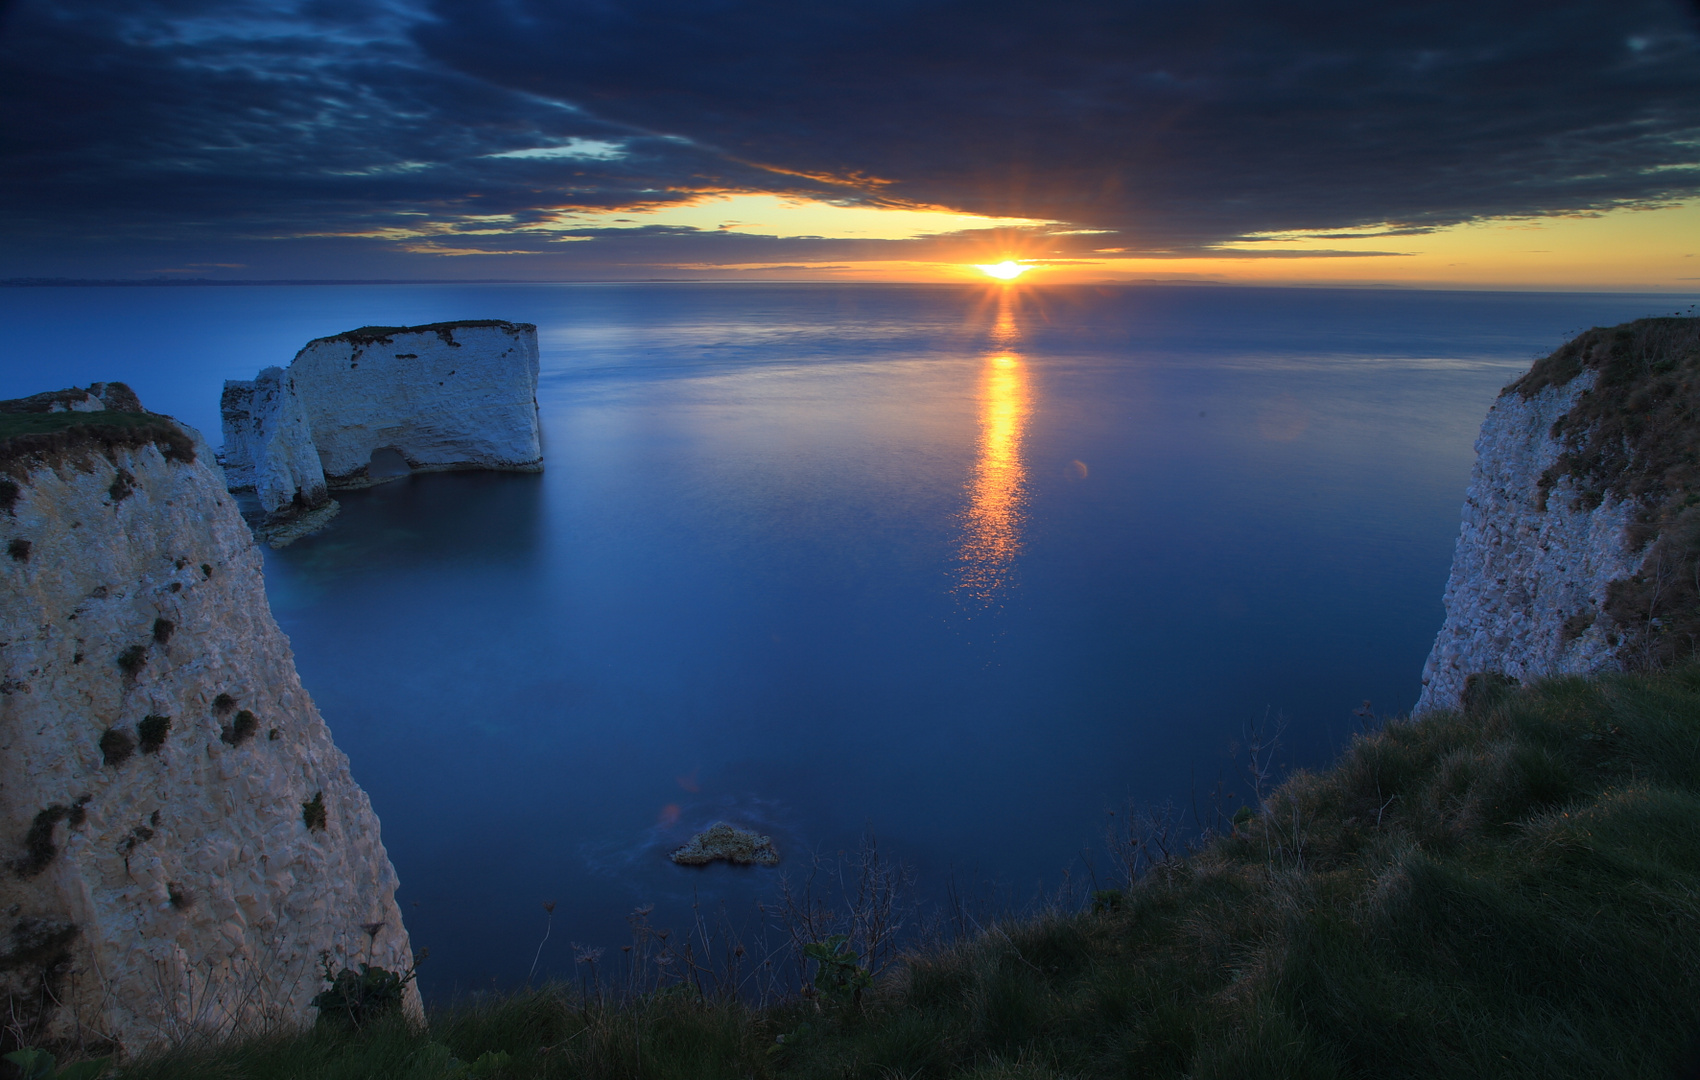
1476, 145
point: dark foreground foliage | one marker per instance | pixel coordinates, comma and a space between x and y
1511, 892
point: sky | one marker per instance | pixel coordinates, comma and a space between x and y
1485, 144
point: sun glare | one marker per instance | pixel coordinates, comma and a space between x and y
1006, 270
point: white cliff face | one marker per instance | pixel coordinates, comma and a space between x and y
1528, 589
269, 443
449, 396
180, 839
459, 396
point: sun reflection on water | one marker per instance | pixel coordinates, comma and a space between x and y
997, 489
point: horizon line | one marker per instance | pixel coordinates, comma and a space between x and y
58, 282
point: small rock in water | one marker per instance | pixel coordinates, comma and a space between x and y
723, 841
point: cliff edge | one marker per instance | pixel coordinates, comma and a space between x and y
1580, 545
180, 840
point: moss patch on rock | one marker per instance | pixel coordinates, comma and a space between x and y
39, 845
116, 747
241, 729
132, 660
313, 812
152, 732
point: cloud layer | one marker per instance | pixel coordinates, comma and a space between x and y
147, 126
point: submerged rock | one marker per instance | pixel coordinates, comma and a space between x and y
1580, 545
180, 839
723, 841
381, 402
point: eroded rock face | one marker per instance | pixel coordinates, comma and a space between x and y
1529, 582
1580, 545
268, 444
180, 839
442, 397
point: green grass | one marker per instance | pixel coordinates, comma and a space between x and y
29, 440
1514, 892
13, 424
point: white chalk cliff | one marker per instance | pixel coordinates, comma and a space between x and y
268, 443
1576, 543
180, 839
1522, 572
447, 396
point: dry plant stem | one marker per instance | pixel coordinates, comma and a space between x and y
1263, 741
870, 908
1145, 839
548, 925
860, 895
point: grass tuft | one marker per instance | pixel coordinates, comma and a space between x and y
151, 732
39, 846
116, 746
240, 729
132, 659
313, 812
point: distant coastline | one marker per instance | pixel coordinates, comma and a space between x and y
35, 282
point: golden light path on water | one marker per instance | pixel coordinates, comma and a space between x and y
997, 488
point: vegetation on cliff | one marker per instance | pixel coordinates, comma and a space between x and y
1513, 890
1634, 435
33, 434
382, 335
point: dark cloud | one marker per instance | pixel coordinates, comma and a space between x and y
195, 131
1182, 123
152, 121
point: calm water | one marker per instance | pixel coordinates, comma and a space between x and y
819, 559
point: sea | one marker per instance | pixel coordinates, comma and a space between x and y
971, 573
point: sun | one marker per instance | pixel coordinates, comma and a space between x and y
1006, 270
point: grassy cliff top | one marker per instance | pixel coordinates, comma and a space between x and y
1513, 890
1623, 354
31, 437
1635, 433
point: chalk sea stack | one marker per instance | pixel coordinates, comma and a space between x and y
180, 839
1580, 546
380, 402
